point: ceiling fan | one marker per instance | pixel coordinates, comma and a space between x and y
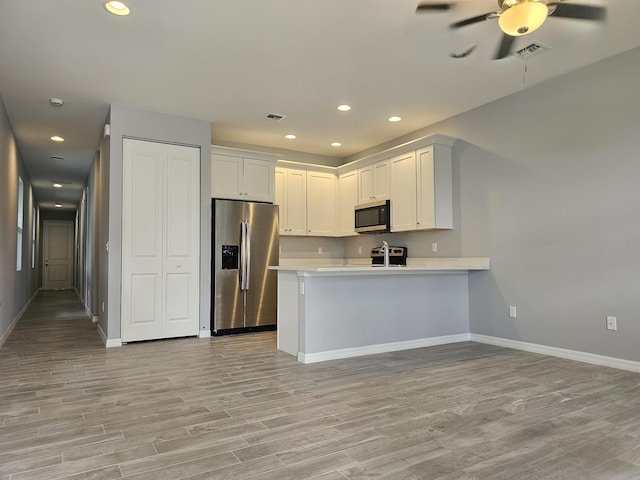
519, 17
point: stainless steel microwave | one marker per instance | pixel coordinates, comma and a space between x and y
374, 217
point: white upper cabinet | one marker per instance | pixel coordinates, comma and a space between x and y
242, 175
373, 182
434, 187
416, 177
321, 204
403, 192
291, 197
347, 200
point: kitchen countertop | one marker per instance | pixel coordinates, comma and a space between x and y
414, 266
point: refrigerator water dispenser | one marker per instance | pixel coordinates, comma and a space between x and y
230, 257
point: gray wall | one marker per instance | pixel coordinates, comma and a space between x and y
16, 288
547, 185
555, 205
129, 122
91, 238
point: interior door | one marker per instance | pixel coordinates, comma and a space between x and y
160, 240
58, 238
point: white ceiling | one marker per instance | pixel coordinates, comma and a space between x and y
231, 62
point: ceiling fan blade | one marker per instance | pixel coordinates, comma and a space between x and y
434, 7
505, 47
469, 21
580, 12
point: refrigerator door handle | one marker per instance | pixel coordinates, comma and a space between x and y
248, 251
243, 256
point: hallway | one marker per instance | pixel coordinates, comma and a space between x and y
235, 408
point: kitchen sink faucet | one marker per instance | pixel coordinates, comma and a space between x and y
385, 251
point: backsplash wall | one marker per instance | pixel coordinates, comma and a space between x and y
419, 245
315, 248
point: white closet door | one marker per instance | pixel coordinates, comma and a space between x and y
160, 240
181, 262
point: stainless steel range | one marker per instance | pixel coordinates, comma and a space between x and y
397, 256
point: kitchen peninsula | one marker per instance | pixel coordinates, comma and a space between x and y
340, 311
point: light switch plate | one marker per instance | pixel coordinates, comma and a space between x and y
612, 323
512, 311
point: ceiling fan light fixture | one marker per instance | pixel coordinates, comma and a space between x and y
117, 8
524, 17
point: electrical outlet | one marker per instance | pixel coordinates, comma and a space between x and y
612, 323
320, 250
512, 311
359, 249
434, 247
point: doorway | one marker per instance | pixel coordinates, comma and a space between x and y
57, 253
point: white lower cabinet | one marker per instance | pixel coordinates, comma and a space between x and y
291, 197
321, 204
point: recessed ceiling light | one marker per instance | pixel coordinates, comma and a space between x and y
57, 185
56, 138
336, 144
290, 136
117, 8
58, 205
344, 108
56, 157
394, 119
56, 102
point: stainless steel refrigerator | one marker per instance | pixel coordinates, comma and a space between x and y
245, 244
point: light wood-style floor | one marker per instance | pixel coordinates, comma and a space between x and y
235, 408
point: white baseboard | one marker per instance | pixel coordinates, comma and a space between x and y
559, 352
94, 318
13, 323
204, 334
109, 342
380, 348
